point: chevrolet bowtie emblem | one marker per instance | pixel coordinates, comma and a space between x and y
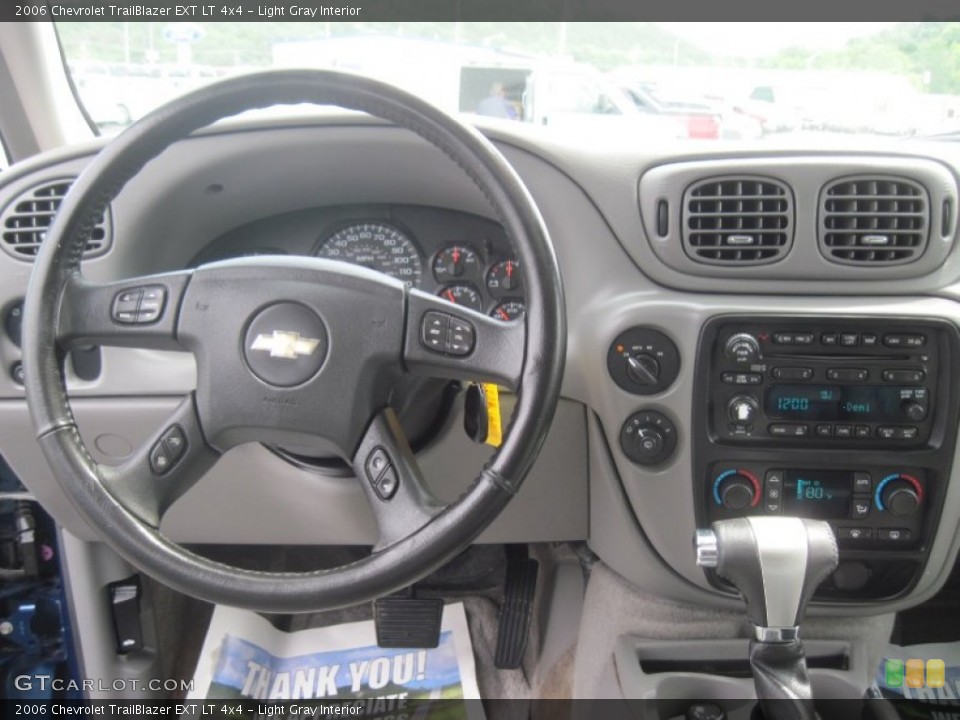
285, 344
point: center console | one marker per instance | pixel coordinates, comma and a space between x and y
851, 420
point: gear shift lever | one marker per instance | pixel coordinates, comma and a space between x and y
776, 563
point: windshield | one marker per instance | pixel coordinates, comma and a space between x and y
673, 80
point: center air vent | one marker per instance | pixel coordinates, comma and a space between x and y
874, 220
737, 220
25, 221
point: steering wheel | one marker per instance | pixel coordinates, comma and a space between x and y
291, 351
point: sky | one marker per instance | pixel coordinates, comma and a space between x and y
758, 39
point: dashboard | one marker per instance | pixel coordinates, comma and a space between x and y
463, 258
752, 329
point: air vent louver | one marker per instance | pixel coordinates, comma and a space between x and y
25, 221
874, 220
737, 220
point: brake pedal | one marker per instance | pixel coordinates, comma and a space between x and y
516, 612
406, 621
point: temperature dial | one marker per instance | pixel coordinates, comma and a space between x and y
736, 489
643, 361
648, 437
462, 295
455, 262
899, 495
509, 310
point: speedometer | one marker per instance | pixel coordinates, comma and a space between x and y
377, 246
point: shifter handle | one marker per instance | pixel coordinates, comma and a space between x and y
775, 562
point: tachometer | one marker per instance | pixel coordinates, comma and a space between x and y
456, 261
377, 246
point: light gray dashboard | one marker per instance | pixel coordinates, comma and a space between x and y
597, 203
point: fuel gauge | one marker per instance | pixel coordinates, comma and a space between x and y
504, 278
463, 295
456, 261
508, 310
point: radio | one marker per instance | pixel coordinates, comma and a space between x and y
806, 382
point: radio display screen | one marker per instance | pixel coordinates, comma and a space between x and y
863, 403
817, 494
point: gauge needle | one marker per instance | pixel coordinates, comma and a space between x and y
456, 256
449, 295
503, 313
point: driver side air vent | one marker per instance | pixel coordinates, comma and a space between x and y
737, 220
25, 221
874, 220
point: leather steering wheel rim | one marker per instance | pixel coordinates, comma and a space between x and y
57, 274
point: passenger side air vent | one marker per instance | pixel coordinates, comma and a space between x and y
737, 220
25, 221
873, 220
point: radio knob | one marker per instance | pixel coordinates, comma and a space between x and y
742, 409
913, 410
900, 498
643, 369
742, 348
736, 492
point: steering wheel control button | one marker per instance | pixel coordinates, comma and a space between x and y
175, 443
152, 300
460, 337
381, 474
433, 331
447, 334
160, 462
387, 486
286, 344
376, 463
125, 306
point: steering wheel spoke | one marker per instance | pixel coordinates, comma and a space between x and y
140, 312
390, 476
447, 341
164, 467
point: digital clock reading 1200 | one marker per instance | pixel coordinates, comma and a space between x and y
864, 403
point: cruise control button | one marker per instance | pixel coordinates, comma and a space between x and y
175, 442
151, 303
377, 462
387, 486
159, 460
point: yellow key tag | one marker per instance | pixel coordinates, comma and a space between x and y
494, 429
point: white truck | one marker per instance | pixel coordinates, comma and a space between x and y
553, 92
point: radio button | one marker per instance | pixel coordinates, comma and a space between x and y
860, 508
908, 340
829, 338
783, 338
803, 339
903, 376
901, 432
731, 378
849, 339
792, 373
868, 339
843, 431
788, 430
825, 430
862, 483
847, 374
862, 431
855, 534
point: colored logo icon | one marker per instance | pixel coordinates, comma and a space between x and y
915, 673
936, 673
893, 673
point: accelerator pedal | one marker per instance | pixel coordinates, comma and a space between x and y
405, 621
516, 610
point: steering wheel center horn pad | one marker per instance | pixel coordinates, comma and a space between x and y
292, 351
